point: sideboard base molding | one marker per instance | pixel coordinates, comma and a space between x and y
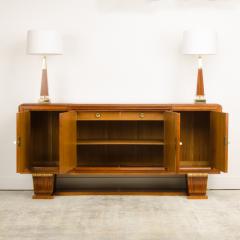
196, 188
197, 197
131, 193
42, 196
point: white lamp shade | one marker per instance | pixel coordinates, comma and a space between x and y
199, 42
44, 42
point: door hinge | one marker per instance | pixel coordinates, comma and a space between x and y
18, 141
225, 141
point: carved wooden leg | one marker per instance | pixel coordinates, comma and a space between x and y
197, 185
43, 185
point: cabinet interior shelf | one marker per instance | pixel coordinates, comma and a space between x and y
119, 142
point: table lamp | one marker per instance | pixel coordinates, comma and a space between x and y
200, 42
44, 42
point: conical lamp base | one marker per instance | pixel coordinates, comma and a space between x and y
44, 97
200, 96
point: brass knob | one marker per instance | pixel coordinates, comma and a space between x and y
98, 115
141, 115
180, 143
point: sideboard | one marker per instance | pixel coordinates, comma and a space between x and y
126, 140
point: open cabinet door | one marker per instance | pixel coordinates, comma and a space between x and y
23, 142
219, 140
68, 141
171, 140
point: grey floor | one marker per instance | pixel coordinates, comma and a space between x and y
120, 217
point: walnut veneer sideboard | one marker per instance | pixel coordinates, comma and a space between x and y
124, 140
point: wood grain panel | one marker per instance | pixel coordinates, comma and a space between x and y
219, 140
99, 116
195, 138
68, 140
171, 140
142, 116
44, 142
197, 107
107, 130
96, 107
151, 130
116, 130
120, 156
23, 142
119, 107
124, 115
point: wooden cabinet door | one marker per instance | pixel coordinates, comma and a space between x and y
219, 140
23, 142
68, 141
171, 140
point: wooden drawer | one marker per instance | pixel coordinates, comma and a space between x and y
99, 115
142, 116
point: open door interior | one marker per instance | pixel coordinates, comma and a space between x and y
22, 142
68, 141
171, 140
219, 140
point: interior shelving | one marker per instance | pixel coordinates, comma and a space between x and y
120, 156
196, 139
44, 144
120, 143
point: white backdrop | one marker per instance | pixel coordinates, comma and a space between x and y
118, 51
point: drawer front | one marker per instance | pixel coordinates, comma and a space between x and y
101, 115
125, 116
142, 116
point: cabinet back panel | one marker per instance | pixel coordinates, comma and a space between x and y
44, 139
195, 130
124, 156
120, 130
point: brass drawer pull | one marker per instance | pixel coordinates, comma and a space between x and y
141, 115
98, 115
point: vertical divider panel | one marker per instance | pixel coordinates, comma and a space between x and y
68, 141
23, 141
219, 140
171, 140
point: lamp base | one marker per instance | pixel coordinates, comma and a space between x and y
44, 99
200, 99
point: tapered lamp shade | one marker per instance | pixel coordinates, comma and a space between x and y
44, 42
199, 42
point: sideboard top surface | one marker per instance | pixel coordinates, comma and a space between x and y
119, 107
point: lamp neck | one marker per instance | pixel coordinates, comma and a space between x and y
199, 62
44, 62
